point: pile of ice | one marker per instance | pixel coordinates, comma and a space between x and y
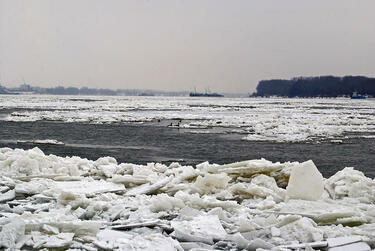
73, 203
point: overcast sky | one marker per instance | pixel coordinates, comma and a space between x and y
224, 45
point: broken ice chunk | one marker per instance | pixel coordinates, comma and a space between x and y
259, 244
320, 245
129, 179
108, 170
4, 189
195, 246
111, 239
89, 187
73, 199
211, 181
34, 186
50, 229
358, 246
240, 241
149, 189
324, 212
340, 241
11, 233
163, 202
351, 183
10, 195
303, 230
305, 182
112, 235
60, 240
7, 182
204, 229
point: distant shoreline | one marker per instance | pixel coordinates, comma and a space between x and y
322, 86
85, 91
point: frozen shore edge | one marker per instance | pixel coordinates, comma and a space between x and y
50, 202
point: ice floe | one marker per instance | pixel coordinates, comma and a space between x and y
50, 202
41, 141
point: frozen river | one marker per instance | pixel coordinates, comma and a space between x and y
280, 120
335, 133
161, 173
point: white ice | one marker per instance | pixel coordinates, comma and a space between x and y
53, 202
305, 182
312, 120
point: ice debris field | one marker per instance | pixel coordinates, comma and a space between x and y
50, 202
258, 119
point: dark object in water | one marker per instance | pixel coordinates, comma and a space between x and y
355, 95
198, 94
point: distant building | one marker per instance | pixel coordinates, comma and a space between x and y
25, 88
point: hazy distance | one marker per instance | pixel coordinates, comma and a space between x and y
226, 46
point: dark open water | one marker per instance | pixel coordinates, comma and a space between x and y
153, 143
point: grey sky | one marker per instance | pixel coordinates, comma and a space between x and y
226, 45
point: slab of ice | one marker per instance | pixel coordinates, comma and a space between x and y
303, 230
358, 246
129, 179
340, 241
61, 240
195, 246
89, 187
206, 229
324, 212
246, 168
10, 195
108, 169
147, 188
259, 244
204, 202
315, 245
305, 182
50, 229
240, 241
261, 186
250, 191
34, 186
6, 182
163, 202
112, 235
11, 233
210, 182
111, 239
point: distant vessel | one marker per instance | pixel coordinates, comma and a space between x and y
206, 94
198, 94
146, 94
355, 95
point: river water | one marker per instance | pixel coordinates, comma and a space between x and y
334, 133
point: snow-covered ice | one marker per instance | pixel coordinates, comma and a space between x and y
73, 203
